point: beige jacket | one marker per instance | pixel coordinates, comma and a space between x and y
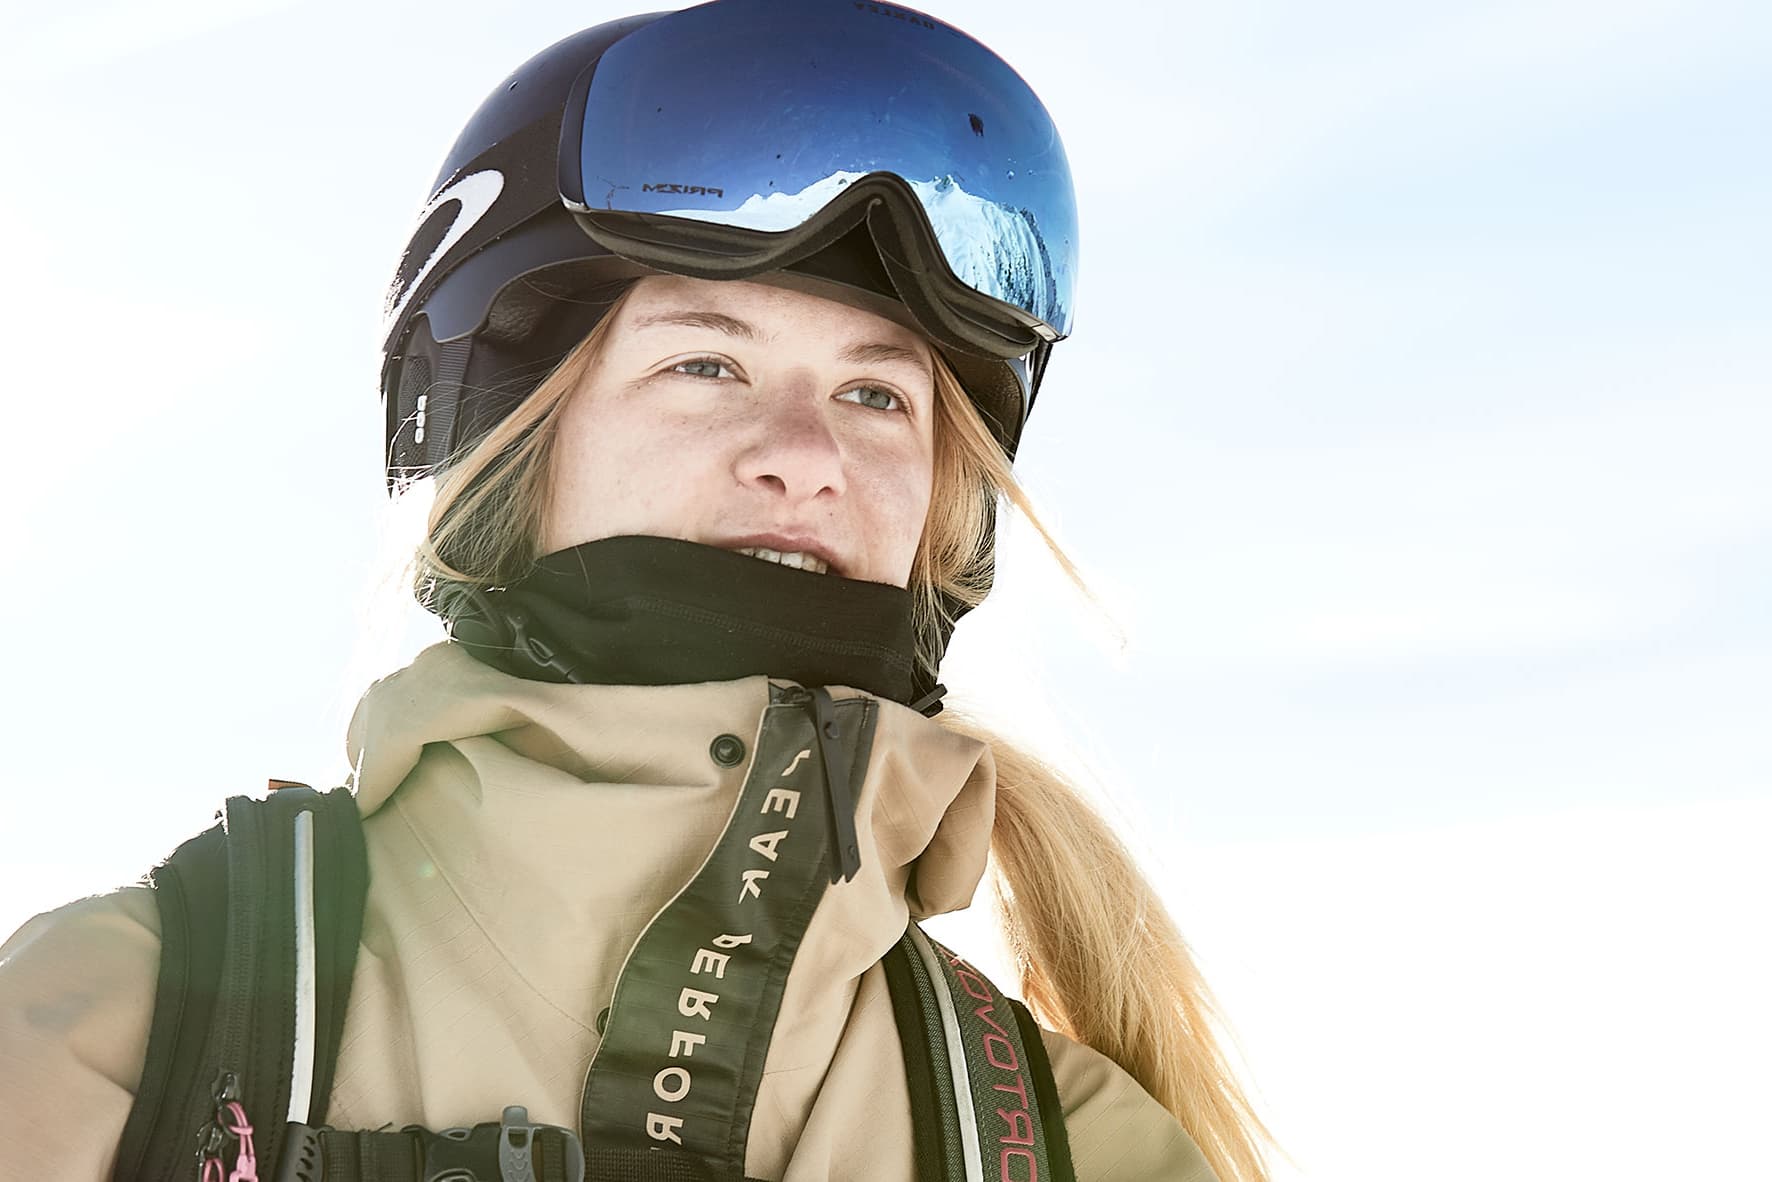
521, 835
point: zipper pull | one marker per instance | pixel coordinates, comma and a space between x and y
211, 1140
225, 1089
836, 786
245, 1153
229, 1124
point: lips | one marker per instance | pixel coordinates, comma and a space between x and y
803, 553
796, 559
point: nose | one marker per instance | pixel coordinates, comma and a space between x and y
792, 451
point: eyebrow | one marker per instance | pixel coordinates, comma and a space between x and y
872, 353
732, 326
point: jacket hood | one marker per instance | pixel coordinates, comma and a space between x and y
539, 762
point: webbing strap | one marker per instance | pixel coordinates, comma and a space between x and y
415, 1154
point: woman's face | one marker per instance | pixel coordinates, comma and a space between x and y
743, 415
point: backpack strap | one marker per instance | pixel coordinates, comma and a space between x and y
256, 956
509, 1150
984, 1104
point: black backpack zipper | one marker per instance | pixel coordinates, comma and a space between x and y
236, 997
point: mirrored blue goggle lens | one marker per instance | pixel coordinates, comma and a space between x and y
755, 114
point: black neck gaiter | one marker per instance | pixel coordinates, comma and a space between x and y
657, 611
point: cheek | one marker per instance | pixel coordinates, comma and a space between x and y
896, 499
622, 472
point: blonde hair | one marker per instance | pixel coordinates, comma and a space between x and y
1098, 957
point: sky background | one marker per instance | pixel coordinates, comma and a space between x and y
1413, 435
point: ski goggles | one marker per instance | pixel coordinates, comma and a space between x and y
876, 114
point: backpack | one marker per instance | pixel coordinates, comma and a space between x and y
260, 921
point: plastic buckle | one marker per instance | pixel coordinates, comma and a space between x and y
516, 1148
460, 1155
502, 1152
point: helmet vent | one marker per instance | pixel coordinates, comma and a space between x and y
415, 384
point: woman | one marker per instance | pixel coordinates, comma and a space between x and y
693, 453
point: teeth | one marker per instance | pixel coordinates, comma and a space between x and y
797, 559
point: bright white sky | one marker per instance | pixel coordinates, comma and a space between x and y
1414, 429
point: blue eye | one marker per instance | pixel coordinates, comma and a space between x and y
713, 363
872, 397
